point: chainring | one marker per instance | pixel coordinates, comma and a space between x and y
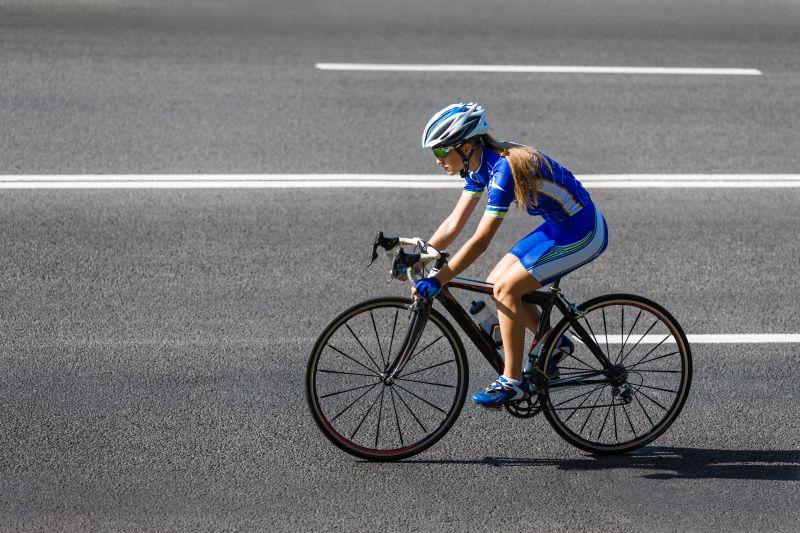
524, 408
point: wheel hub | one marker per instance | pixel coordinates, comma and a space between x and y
618, 375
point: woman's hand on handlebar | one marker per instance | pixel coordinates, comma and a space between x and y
427, 288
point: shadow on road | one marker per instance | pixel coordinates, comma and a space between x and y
670, 463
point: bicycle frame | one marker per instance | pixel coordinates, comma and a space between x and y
484, 343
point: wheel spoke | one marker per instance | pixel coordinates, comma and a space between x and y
639, 391
348, 390
608, 412
425, 348
576, 409
651, 351
629, 335
644, 410
660, 371
640, 340
605, 332
658, 388
578, 396
592, 332
409, 410
587, 365
427, 383
616, 434
377, 339
396, 418
420, 398
621, 328
340, 413
366, 415
578, 372
590, 412
427, 368
653, 359
598, 406
373, 375
363, 348
629, 420
380, 413
334, 348
576, 368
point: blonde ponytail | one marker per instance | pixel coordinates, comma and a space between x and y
525, 163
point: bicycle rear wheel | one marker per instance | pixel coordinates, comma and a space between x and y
617, 411
352, 404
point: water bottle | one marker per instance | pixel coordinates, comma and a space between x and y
487, 321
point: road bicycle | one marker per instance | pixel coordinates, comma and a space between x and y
388, 377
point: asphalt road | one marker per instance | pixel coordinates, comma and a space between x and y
154, 342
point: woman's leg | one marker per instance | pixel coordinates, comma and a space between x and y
530, 312
508, 290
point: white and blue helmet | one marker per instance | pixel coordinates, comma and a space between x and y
454, 123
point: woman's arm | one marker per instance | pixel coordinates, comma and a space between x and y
454, 223
472, 249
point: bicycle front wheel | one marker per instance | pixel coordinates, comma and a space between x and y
615, 411
360, 412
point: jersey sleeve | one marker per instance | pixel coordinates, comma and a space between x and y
472, 187
501, 190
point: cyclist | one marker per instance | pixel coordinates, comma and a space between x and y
574, 231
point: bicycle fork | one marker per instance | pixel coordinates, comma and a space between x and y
420, 311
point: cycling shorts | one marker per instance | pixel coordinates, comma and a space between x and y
554, 249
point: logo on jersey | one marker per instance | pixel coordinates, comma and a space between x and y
493, 185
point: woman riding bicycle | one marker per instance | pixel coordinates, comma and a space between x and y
574, 231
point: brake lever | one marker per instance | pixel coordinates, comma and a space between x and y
398, 256
378, 239
387, 243
401, 261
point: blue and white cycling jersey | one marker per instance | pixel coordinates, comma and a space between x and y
560, 194
574, 231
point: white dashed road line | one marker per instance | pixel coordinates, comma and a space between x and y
553, 69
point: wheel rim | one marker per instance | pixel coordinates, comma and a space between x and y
363, 413
651, 378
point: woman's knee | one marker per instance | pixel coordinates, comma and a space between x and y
504, 290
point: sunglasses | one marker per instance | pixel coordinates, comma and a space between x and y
441, 153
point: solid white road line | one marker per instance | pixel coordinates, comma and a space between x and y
556, 69
733, 338
384, 181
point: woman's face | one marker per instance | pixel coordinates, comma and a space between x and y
452, 162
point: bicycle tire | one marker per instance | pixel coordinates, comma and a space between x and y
458, 370
676, 371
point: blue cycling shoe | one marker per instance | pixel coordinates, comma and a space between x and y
498, 393
563, 348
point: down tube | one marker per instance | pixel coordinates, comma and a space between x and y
472, 330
